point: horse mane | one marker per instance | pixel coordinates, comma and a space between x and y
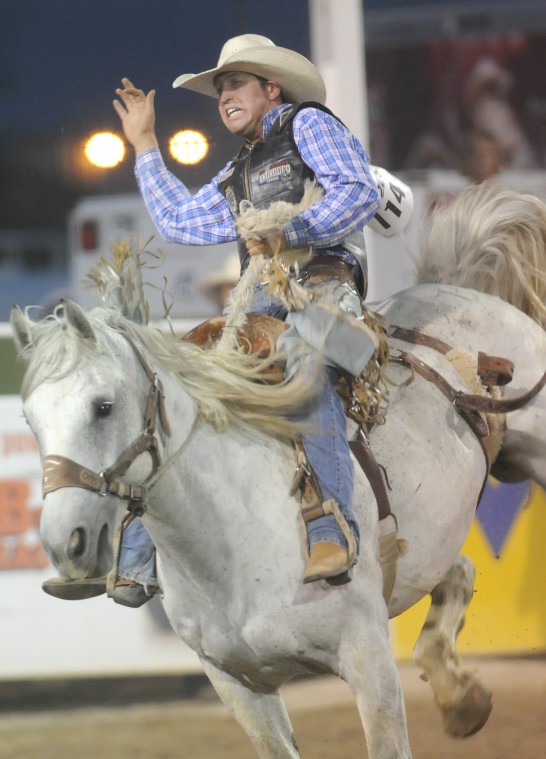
493, 240
228, 387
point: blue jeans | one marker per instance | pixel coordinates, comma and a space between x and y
327, 448
137, 556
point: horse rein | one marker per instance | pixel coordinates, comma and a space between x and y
62, 472
463, 402
469, 406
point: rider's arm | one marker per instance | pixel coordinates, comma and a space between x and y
200, 219
193, 220
340, 164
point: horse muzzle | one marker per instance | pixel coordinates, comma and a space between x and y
77, 539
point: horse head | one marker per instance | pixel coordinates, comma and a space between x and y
99, 413
84, 411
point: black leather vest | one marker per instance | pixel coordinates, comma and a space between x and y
269, 170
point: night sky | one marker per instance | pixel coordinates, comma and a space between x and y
62, 59
60, 63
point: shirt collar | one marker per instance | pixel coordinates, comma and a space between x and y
271, 116
268, 121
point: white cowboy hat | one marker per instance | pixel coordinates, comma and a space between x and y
229, 274
299, 79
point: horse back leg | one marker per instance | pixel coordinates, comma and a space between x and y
262, 716
463, 701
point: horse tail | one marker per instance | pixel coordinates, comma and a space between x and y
492, 240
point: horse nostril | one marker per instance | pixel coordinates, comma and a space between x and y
76, 544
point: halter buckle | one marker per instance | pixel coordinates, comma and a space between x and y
104, 491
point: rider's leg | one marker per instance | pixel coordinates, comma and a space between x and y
327, 450
326, 446
328, 453
136, 574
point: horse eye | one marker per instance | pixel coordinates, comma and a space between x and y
103, 409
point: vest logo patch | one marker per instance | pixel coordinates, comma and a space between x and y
226, 175
231, 200
280, 170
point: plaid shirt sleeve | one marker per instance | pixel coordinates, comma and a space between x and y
340, 164
200, 219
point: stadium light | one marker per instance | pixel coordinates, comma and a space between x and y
105, 150
188, 146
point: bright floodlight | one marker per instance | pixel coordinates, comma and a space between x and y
104, 150
189, 146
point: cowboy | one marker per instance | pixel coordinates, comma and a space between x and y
273, 98
217, 286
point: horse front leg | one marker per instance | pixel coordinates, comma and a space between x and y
261, 715
464, 702
367, 664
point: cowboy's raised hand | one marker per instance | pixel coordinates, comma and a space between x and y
267, 248
137, 114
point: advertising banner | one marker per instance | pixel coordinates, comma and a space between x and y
43, 636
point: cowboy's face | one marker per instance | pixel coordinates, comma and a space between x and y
243, 100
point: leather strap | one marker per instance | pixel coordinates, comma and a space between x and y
470, 405
365, 457
486, 405
494, 371
311, 503
60, 472
145, 443
470, 414
418, 338
305, 480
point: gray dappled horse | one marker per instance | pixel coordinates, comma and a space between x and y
218, 506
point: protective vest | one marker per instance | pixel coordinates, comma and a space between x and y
273, 170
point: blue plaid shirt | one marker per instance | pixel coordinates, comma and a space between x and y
337, 158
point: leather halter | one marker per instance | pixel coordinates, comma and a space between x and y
62, 472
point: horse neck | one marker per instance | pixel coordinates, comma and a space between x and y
225, 493
208, 466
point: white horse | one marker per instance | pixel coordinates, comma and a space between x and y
102, 392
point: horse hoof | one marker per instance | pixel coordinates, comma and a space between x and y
470, 714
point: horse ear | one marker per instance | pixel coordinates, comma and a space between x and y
22, 332
77, 319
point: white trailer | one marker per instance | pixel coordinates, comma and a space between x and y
97, 223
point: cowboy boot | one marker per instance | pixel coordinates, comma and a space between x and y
126, 592
328, 561
74, 590
132, 594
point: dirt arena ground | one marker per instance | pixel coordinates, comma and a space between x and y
323, 715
